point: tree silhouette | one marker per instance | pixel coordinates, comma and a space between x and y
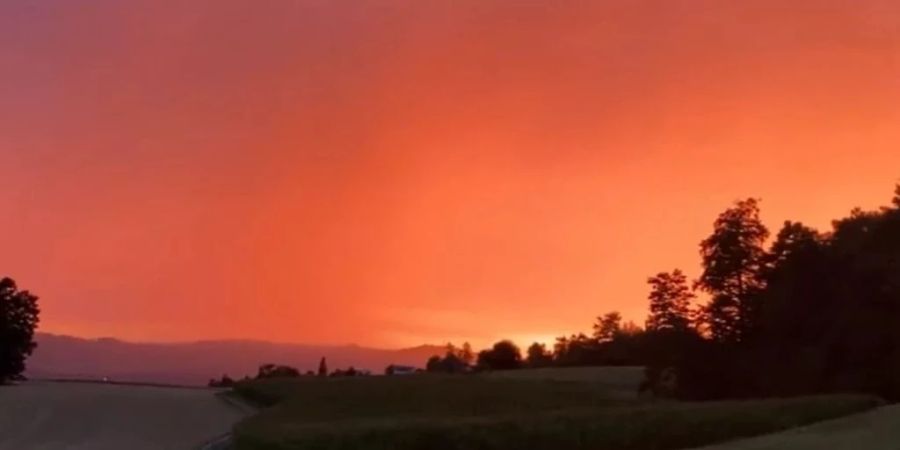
538, 356
323, 368
276, 371
452, 362
607, 326
465, 354
18, 318
224, 382
560, 347
434, 364
504, 355
450, 348
817, 313
576, 350
794, 237
670, 301
629, 329
349, 372
733, 260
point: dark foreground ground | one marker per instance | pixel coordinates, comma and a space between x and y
525, 410
873, 430
552, 409
91, 416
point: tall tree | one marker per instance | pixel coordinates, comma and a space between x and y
607, 326
733, 263
465, 354
323, 368
896, 199
829, 315
18, 318
670, 302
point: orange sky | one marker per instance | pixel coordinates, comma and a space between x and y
397, 172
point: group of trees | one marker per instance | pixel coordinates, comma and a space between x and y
269, 371
277, 371
812, 312
503, 355
803, 312
613, 343
455, 360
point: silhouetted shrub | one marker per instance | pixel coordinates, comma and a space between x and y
450, 363
276, 371
224, 382
504, 355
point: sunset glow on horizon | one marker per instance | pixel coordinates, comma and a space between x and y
392, 173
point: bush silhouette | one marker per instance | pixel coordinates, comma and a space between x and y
18, 318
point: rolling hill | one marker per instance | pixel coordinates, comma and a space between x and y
194, 363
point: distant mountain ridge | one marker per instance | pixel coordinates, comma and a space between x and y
194, 363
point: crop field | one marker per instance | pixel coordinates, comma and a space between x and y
620, 382
93, 416
525, 410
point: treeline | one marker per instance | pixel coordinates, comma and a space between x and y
805, 312
813, 312
613, 343
269, 371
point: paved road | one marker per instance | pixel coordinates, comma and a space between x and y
84, 416
874, 430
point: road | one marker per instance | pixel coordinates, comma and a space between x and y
878, 429
88, 416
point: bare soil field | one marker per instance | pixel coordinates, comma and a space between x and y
93, 416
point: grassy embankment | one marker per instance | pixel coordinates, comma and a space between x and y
525, 410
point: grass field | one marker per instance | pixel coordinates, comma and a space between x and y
619, 382
526, 410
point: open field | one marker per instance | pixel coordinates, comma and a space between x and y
315, 399
873, 430
616, 381
91, 416
526, 410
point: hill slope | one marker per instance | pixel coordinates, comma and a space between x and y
196, 362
